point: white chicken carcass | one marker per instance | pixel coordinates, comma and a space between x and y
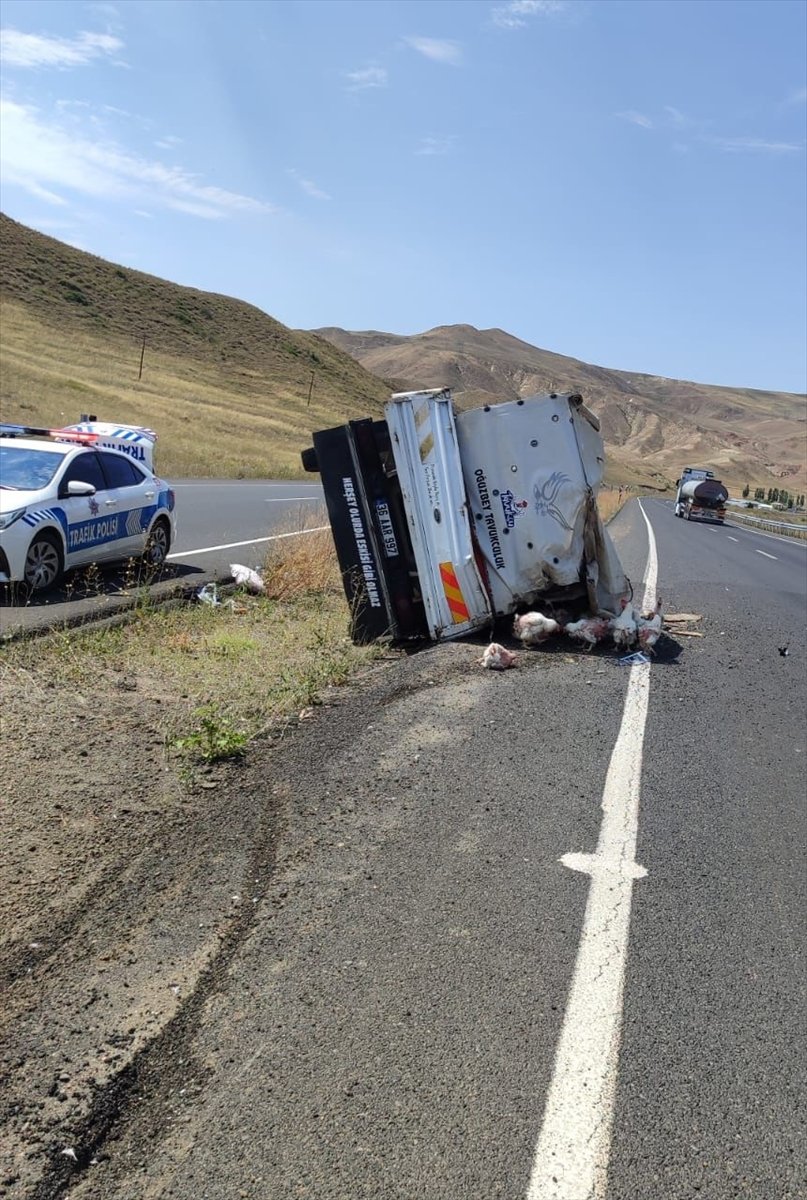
588, 629
650, 626
497, 658
623, 627
247, 578
532, 628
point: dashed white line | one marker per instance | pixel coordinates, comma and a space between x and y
571, 1157
277, 537
773, 556
731, 539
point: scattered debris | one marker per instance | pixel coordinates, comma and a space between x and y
69, 1152
784, 651
247, 578
496, 658
209, 594
675, 621
630, 660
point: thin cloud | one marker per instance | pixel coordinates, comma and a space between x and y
436, 145
514, 14
169, 142
307, 185
437, 49
799, 96
750, 145
18, 49
675, 116
47, 159
636, 118
367, 77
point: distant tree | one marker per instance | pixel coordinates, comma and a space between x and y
784, 496
746, 492
790, 502
759, 494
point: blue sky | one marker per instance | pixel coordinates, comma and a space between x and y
619, 182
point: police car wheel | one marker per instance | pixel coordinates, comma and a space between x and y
43, 563
158, 545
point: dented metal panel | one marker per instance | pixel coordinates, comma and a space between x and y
532, 468
424, 445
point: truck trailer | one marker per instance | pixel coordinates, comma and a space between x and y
700, 495
445, 521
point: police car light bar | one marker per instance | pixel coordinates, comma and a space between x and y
62, 435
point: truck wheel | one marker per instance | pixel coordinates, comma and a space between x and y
43, 563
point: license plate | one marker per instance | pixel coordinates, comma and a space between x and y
385, 526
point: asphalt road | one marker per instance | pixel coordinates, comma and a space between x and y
392, 1026
222, 521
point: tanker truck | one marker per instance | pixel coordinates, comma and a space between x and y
701, 495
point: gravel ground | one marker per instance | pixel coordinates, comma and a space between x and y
123, 880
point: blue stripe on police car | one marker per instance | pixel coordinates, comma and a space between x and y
93, 533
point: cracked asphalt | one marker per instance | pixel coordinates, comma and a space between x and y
388, 1026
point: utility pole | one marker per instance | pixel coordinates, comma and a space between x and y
142, 353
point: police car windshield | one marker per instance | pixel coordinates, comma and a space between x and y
24, 469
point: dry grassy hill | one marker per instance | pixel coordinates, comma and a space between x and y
652, 426
225, 386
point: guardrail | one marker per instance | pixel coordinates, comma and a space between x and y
787, 527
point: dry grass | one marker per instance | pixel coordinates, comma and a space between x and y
234, 671
610, 500
231, 392
302, 566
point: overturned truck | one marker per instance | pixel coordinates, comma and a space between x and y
445, 521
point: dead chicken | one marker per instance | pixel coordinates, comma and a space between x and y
497, 658
532, 628
624, 628
650, 626
588, 629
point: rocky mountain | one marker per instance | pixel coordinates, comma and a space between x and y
652, 426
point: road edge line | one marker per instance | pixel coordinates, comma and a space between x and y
573, 1148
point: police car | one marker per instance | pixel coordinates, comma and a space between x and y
79, 495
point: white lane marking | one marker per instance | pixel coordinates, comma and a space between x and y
773, 556
731, 539
571, 1157
288, 499
277, 537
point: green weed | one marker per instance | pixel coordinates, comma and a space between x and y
214, 739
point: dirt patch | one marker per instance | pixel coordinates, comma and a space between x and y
120, 881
